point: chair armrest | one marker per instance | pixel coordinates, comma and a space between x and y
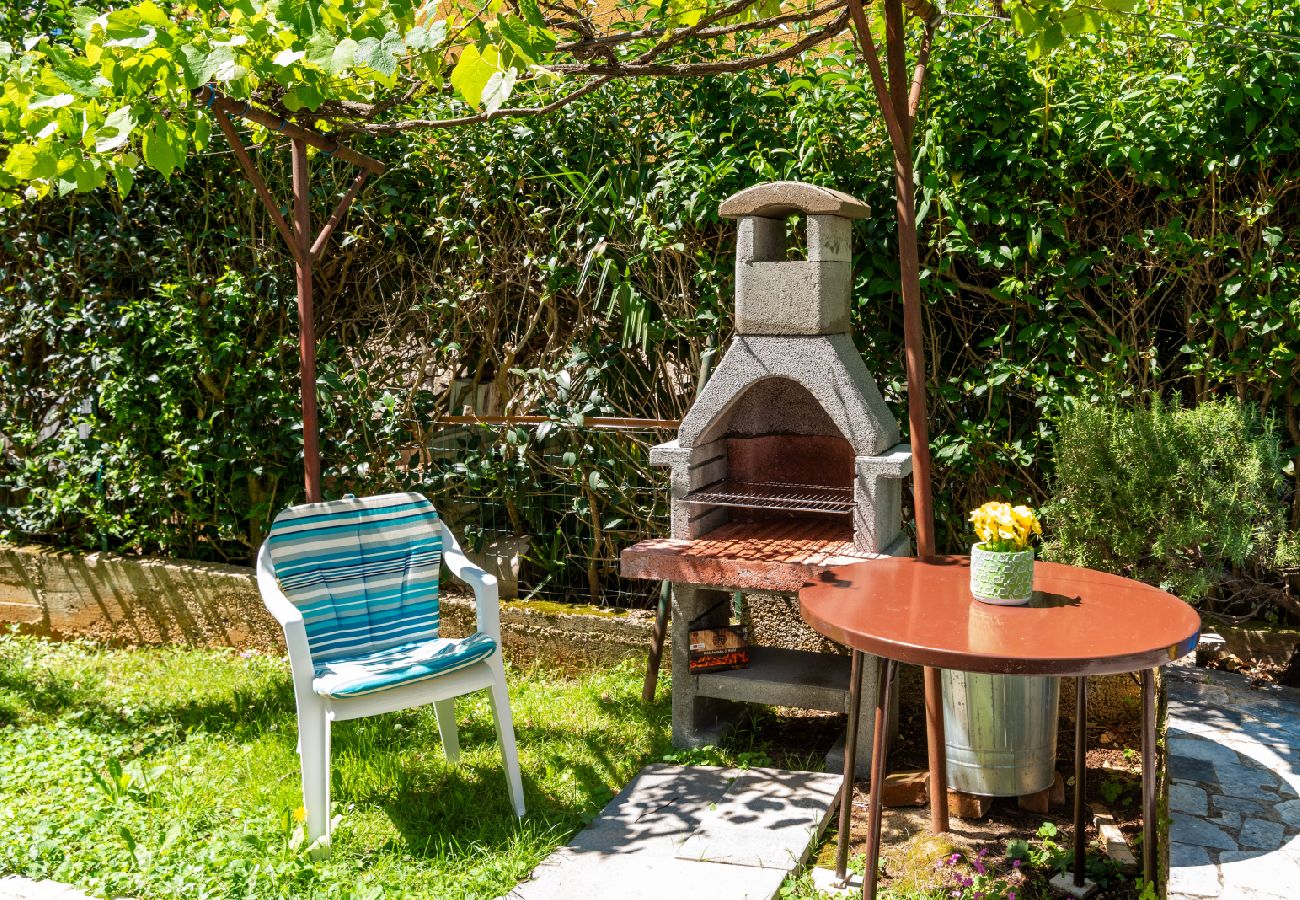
290, 619
486, 598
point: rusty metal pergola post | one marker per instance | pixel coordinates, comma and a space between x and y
899, 99
305, 247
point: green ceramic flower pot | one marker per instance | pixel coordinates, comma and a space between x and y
1005, 579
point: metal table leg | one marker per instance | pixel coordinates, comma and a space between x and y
1080, 778
884, 679
850, 763
1149, 776
936, 750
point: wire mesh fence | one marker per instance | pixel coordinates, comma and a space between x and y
548, 508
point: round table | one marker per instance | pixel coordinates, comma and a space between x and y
1079, 623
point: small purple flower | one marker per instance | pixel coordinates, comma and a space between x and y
979, 866
984, 851
1011, 895
967, 882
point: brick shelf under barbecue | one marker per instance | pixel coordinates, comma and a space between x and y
761, 556
775, 495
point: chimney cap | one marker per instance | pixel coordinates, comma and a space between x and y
778, 199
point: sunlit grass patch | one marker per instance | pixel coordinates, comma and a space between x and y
173, 773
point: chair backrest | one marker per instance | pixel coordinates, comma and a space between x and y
363, 571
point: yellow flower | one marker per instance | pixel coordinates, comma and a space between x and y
1001, 523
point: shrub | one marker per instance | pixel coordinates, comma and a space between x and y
1170, 495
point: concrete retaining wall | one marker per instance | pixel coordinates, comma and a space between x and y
136, 602
1274, 645
133, 601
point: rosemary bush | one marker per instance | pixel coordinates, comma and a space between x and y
1174, 496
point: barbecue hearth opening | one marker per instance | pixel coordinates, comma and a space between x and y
777, 456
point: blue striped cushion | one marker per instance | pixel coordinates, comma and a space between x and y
363, 572
370, 673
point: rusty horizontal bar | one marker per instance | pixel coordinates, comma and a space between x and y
597, 423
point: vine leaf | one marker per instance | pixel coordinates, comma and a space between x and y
473, 71
498, 88
159, 152
115, 131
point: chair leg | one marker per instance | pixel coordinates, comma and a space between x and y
506, 736
446, 712
314, 754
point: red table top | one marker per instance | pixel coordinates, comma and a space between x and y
1079, 622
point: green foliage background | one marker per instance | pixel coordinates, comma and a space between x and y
1116, 223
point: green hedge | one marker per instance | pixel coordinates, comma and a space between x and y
1116, 223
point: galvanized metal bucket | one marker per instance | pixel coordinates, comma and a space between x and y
1000, 731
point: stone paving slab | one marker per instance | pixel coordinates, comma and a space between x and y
766, 819
1234, 787
691, 831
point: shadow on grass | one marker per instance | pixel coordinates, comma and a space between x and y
469, 803
392, 763
241, 714
40, 691
568, 775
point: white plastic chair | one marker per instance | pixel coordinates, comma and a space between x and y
361, 628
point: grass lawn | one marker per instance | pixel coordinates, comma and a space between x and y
174, 773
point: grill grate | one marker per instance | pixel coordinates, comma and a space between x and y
775, 495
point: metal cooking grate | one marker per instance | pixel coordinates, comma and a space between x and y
775, 495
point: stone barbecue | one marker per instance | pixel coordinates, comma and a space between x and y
787, 464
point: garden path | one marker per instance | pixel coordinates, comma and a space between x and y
692, 831
14, 888
1234, 787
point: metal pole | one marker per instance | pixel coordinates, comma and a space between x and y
1080, 777
299, 240
1149, 871
255, 178
895, 107
884, 678
210, 97
306, 326
850, 765
318, 245
914, 353
657, 643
